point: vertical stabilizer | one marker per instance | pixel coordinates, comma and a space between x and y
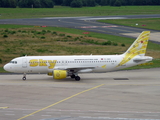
137, 48
140, 44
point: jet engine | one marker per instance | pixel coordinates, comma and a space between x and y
59, 74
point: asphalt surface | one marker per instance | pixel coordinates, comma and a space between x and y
89, 24
120, 95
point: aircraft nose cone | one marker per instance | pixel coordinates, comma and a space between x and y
6, 67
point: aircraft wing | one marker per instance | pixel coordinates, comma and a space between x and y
76, 69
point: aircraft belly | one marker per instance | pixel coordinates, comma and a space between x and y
99, 70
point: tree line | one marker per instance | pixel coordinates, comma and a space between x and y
73, 3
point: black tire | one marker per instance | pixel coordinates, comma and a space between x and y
24, 78
77, 78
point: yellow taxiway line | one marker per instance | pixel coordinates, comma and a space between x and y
3, 107
60, 101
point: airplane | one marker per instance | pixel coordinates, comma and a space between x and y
61, 67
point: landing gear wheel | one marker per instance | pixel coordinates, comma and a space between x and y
24, 78
73, 76
77, 78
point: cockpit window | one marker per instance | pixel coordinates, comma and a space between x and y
13, 62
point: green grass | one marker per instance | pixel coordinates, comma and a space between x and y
6, 26
1, 70
61, 11
51, 41
147, 23
74, 31
118, 39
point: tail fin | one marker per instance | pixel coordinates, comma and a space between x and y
140, 45
137, 48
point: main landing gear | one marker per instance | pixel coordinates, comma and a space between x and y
24, 76
77, 78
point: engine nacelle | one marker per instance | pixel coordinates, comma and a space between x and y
59, 74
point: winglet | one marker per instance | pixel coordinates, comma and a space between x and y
138, 47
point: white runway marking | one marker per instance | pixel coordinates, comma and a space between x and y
103, 18
98, 26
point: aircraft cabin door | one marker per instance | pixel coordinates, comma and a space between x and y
24, 62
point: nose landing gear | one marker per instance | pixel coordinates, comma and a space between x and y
24, 76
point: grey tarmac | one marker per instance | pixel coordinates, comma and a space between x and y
89, 24
119, 95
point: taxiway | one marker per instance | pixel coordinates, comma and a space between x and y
120, 95
89, 24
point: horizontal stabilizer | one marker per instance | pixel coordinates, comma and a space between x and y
143, 58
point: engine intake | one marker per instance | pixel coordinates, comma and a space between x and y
59, 74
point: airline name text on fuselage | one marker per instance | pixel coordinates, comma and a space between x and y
41, 62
